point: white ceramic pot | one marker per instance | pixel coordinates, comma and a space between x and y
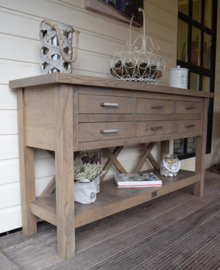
179, 77
85, 191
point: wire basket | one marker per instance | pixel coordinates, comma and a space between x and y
137, 65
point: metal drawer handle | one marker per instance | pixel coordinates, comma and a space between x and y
156, 128
190, 108
189, 126
157, 106
108, 131
109, 104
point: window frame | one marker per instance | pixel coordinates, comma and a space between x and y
200, 69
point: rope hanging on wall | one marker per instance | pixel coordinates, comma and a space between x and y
56, 47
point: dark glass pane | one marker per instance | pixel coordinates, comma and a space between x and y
178, 146
207, 46
195, 46
205, 84
196, 8
208, 14
182, 41
184, 6
191, 145
194, 81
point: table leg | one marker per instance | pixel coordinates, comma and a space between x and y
164, 148
201, 152
27, 177
63, 120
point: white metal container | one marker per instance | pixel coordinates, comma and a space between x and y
179, 77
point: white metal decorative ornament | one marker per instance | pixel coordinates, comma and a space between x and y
137, 65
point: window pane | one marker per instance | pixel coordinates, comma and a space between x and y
182, 40
184, 6
207, 45
208, 13
195, 46
191, 145
194, 81
205, 84
197, 10
178, 146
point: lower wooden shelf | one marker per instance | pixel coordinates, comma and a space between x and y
112, 200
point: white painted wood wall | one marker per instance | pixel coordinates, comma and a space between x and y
19, 58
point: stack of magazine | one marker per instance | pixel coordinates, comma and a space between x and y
137, 180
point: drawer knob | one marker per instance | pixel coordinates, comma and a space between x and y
190, 108
156, 128
189, 126
157, 106
105, 104
108, 131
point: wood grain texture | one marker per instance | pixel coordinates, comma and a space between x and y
152, 128
92, 104
136, 140
39, 119
144, 157
49, 188
188, 125
109, 163
119, 199
112, 157
201, 151
164, 148
150, 157
75, 118
154, 106
102, 82
27, 177
185, 107
92, 131
63, 119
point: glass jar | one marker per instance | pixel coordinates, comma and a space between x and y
170, 165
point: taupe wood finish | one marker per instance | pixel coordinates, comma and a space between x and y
26, 166
63, 114
63, 119
118, 165
49, 188
92, 131
144, 157
164, 148
97, 104
150, 157
201, 151
186, 125
102, 82
109, 163
154, 106
185, 107
123, 199
152, 128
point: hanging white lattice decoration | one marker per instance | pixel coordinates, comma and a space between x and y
137, 65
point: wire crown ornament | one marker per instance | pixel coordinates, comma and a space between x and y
137, 65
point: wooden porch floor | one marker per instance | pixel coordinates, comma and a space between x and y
176, 231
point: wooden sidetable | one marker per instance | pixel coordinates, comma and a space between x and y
65, 113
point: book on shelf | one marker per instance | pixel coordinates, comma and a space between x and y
137, 180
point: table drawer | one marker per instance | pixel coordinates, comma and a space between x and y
152, 128
188, 126
154, 106
89, 132
186, 107
104, 104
